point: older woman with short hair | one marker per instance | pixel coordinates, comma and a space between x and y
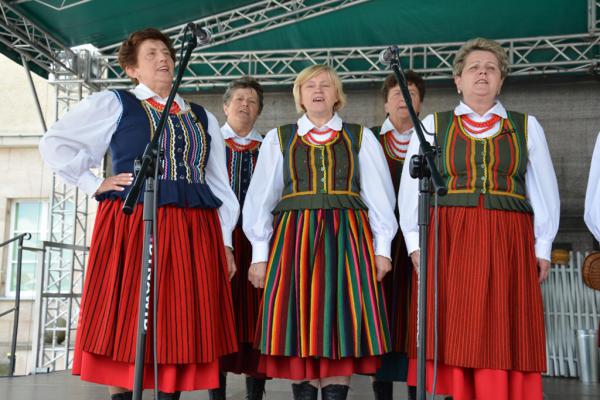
320, 216
197, 211
496, 227
242, 103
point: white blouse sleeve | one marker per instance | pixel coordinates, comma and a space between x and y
592, 194
264, 192
377, 191
542, 189
218, 180
78, 141
408, 192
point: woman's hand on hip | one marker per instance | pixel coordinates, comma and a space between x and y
116, 182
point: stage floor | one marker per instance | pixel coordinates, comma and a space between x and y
63, 386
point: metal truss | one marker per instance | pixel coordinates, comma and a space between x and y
57, 5
566, 54
63, 270
593, 16
33, 43
252, 19
62, 278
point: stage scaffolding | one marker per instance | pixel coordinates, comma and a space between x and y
74, 74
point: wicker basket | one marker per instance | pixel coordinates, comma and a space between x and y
590, 272
560, 256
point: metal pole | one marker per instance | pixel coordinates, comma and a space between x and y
13, 344
34, 93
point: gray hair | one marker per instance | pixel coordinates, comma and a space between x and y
246, 82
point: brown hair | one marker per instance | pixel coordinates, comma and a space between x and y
484, 45
411, 77
245, 82
310, 72
128, 51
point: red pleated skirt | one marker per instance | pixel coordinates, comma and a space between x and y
195, 323
246, 302
479, 384
304, 368
490, 314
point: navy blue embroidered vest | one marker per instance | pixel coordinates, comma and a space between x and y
240, 167
185, 145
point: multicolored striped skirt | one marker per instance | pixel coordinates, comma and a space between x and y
246, 302
322, 302
490, 318
195, 324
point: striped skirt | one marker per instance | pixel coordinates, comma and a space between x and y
321, 298
246, 302
195, 324
490, 317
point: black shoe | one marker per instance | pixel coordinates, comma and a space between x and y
412, 392
168, 396
255, 387
383, 390
122, 396
334, 392
219, 393
304, 391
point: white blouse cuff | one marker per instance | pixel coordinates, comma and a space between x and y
89, 183
227, 237
543, 248
412, 242
383, 246
260, 252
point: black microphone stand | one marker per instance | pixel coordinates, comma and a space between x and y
148, 170
423, 167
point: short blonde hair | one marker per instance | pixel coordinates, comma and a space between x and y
484, 45
310, 72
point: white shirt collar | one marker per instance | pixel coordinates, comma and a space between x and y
498, 109
389, 126
229, 133
305, 125
143, 92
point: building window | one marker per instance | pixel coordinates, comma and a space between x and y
25, 216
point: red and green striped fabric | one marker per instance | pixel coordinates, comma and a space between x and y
321, 296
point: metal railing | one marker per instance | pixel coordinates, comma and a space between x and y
568, 305
13, 343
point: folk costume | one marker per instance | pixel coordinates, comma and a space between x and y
321, 211
197, 211
397, 283
241, 156
500, 215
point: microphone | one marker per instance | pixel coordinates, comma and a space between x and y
203, 35
388, 55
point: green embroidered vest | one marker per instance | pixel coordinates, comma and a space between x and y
492, 167
320, 176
